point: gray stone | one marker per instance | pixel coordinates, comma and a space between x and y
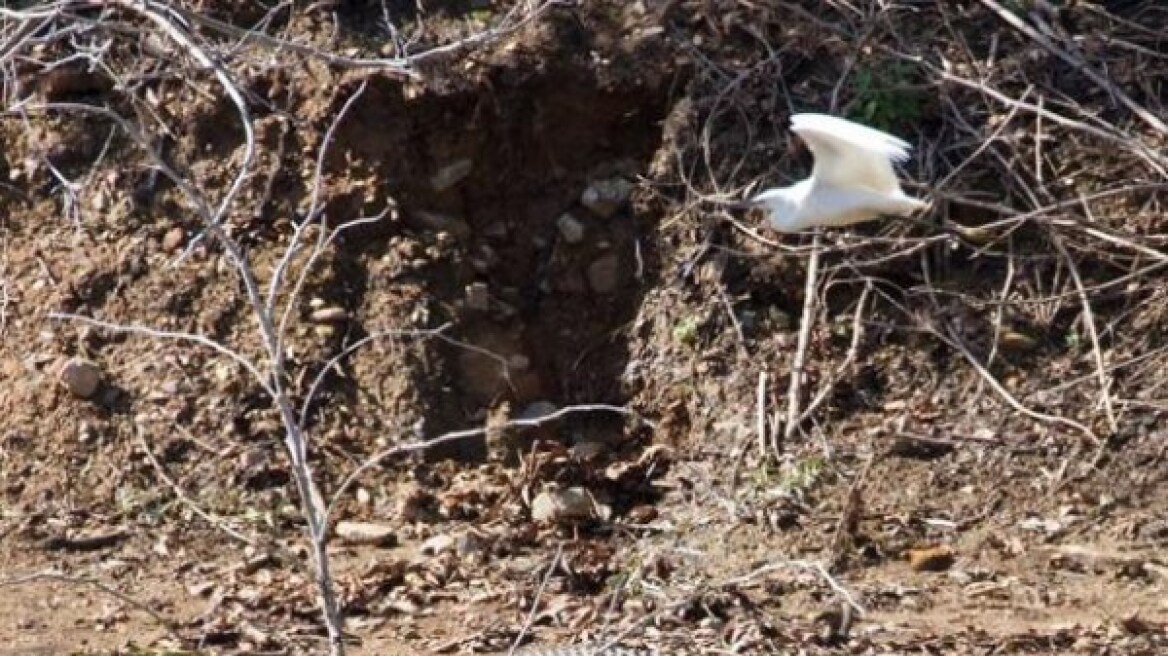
605, 197
451, 174
604, 275
367, 533
571, 229
80, 376
478, 296
572, 504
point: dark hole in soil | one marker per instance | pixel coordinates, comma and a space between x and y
485, 177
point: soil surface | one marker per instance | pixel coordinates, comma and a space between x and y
486, 212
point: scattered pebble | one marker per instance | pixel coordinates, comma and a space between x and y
451, 174
478, 296
173, 239
437, 545
572, 504
80, 376
931, 559
436, 222
571, 229
363, 496
589, 450
642, 514
1017, 341
536, 410
329, 314
605, 197
367, 533
604, 274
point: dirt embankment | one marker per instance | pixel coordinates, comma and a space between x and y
982, 466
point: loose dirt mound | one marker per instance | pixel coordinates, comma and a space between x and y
525, 219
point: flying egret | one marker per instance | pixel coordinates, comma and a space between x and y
852, 179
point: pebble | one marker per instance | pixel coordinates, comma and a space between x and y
1014, 340
604, 274
605, 197
931, 559
536, 410
571, 229
80, 376
589, 450
369, 533
437, 222
173, 239
329, 314
478, 296
571, 504
437, 545
451, 174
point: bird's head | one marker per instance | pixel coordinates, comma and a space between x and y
781, 207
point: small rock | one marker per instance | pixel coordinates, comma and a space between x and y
369, 533
931, 559
572, 504
536, 410
518, 362
80, 376
437, 545
571, 229
436, 222
1017, 341
604, 274
589, 450
605, 197
484, 259
329, 314
478, 296
643, 514
363, 496
173, 239
1040, 525
450, 175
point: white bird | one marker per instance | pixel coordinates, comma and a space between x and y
852, 179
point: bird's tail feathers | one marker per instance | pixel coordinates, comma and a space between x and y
907, 205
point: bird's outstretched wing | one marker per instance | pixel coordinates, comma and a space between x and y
848, 154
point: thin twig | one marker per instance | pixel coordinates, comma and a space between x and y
951, 337
1092, 333
1021, 25
799, 361
547, 577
